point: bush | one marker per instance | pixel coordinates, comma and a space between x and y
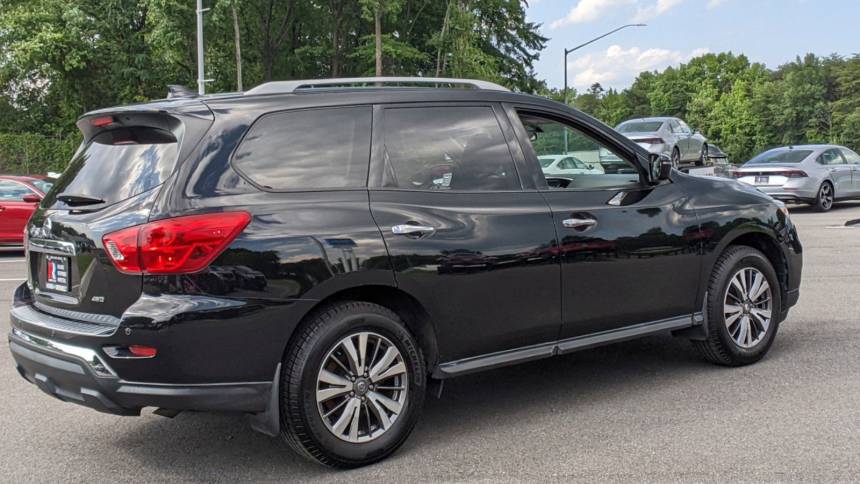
30, 153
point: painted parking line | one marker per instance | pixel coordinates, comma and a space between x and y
12, 260
13, 280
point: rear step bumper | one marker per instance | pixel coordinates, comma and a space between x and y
80, 375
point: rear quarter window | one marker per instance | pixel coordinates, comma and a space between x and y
326, 148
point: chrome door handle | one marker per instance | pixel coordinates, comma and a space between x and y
577, 223
408, 229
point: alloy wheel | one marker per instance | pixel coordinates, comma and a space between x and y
361, 387
826, 196
676, 158
747, 307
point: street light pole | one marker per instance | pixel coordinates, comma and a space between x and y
568, 51
201, 72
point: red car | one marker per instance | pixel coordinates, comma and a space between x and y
19, 197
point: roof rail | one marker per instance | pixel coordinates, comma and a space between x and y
286, 87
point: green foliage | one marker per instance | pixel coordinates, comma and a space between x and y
26, 153
741, 106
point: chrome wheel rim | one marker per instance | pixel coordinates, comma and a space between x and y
747, 307
361, 387
676, 158
826, 196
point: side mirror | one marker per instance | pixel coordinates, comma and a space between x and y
31, 198
661, 167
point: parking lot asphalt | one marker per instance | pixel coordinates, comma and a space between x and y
646, 410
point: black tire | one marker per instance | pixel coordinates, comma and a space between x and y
301, 424
703, 156
676, 158
825, 198
720, 347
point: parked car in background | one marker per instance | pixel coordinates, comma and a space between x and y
720, 161
566, 165
19, 197
815, 174
668, 136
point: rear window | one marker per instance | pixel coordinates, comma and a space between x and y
781, 156
640, 126
308, 149
118, 164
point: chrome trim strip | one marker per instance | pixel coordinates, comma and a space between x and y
88, 356
56, 247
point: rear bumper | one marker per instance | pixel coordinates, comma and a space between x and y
81, 375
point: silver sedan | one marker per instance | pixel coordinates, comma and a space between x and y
813, 174
669, 136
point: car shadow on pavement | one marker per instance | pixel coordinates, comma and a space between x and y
202, 446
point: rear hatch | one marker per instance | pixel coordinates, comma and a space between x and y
112, 182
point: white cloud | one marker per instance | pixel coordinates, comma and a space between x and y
715, 3
586, 11
617, 67
653, 10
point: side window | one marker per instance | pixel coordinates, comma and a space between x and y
13, 192
446, 148
608, 169
684, 128
675, 127
850, 156
830, 157
566, 164
308, 149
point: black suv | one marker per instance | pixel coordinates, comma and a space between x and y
322, 254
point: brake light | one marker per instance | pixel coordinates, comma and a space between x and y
101, 121
791, 174
651, 141
180, 245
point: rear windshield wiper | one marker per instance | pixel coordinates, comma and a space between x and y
77, 200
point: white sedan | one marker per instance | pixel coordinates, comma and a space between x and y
567, 165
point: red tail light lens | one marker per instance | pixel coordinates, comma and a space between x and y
141, 351
651, 141
792, 174
178, 245
102, 121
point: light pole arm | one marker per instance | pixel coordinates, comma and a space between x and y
607, 34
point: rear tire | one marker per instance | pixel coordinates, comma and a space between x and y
825, 198
339, 331
738, 333
703, 156
676, 158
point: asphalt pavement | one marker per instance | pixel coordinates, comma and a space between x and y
646, 410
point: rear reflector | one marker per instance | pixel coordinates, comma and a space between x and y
142, 351
180, 245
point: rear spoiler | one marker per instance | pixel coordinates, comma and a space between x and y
188, 120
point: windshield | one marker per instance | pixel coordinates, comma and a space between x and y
545, 161
640, 126
118, 164
781, 155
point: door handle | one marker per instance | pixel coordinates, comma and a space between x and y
409, 229
578, 223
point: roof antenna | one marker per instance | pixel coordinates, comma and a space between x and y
176, 91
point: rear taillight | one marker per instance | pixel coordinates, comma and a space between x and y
791, 174
178, 245
651, 141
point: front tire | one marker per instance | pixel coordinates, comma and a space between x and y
743, 304
353, 385
703, 156
824, 200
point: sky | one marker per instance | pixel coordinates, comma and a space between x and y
769, 31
